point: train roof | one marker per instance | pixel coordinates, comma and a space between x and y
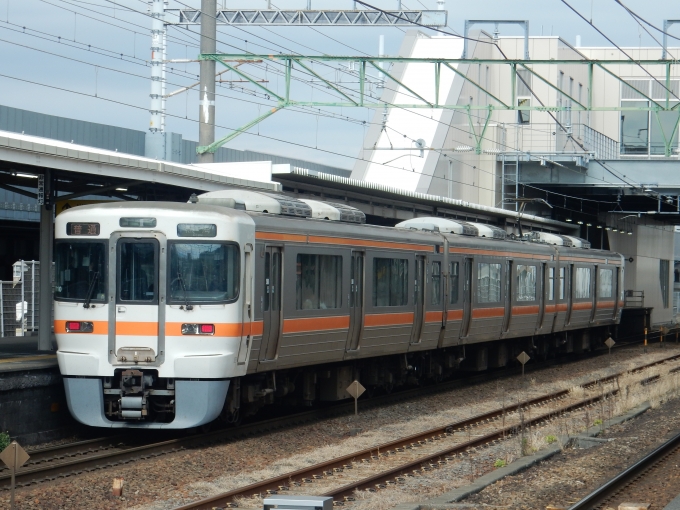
320, 227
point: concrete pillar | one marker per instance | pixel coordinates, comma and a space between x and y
206, 109
46, 242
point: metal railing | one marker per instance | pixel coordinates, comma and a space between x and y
634, 299
15, 319
552, 139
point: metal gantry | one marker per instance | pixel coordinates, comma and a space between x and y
256, 17
357, 95
315, 18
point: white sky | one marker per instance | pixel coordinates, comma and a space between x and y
323, 139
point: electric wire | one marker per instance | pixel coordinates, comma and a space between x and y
270, 42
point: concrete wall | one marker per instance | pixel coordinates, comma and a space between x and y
651, 242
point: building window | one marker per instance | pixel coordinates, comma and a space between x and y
526, 283
453, 283
488, 283
319, 282
582, 283
436, 283
523, 96
390, 282
664, 276
645, 132
605, 283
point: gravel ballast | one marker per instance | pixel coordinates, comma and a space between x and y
179, 478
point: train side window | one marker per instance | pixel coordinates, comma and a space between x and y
488, 283
319, 282
582, 283
453, 283
605, 283
436, 283
562, 281
551, 283
526, 283
390, 282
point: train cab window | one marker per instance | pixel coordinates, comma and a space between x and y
582, 283
563, 280
319, 282
390, 282
453, 283
203, 272
605, 283
436, 283
488, 283
526, 283
551, 283
80, 271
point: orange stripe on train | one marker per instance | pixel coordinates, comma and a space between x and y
315, 324
487, 313
389, 319
525, 310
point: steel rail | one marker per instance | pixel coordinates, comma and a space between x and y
605, 491
282, 482
74, 458
71, 459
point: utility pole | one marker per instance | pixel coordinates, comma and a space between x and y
206, 109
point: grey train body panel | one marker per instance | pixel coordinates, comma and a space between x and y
389, 330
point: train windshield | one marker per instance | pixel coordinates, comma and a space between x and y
80, 271
203, 272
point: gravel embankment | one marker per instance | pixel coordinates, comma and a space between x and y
171, 480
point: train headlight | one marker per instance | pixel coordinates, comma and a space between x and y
79, 327
198, 329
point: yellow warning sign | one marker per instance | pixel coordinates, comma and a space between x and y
65, 205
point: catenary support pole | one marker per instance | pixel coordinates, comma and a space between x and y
46, 240
206, 109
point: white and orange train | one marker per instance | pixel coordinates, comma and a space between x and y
171, 315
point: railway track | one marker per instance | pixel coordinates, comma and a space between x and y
653, 479
415, 454
75, 458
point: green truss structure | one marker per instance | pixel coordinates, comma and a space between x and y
350, 97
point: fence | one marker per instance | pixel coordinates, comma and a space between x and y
23, 289
634, 299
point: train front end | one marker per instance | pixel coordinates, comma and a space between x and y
150, 311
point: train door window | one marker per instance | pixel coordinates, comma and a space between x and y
137, 267
319, 282
605, 283
267, 281
488, 283
436, 283
582, 283
551, 283
563, 281
526, 283
453, 283
390, 282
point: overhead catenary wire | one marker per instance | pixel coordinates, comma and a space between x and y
141, 13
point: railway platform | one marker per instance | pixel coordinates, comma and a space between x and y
33, 405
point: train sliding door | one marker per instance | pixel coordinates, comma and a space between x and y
418, 300
356, 300
272, 302
467, 299
139, 330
